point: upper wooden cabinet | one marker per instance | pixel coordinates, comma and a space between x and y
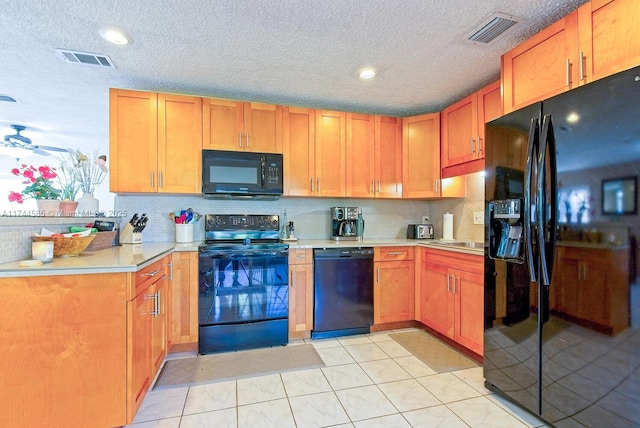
374, 156
542, 66
599, 39
421, 156
329, 154
155, 142
298, 150
463, 126
609, 37
242, 126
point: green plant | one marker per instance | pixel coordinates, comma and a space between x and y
39, 183
68, 183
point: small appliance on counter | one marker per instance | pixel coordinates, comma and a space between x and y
420, 231
344, 223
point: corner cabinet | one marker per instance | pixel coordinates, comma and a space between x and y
462, 124
242, 126
393, 287
451, 296
155, 142
421, 156
300, 293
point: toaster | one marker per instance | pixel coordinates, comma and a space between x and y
420, 231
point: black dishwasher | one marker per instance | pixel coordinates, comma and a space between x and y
343, 291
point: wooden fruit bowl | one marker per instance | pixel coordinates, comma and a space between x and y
67, 247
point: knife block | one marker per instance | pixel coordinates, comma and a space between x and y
128, 236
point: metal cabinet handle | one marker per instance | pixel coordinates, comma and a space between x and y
437, 184
454, 284
373, 190
473, 144
247, 146
158, 304
240, 139
581, 66
152, 175
318, 184
153, 296
479, 144
378, 275
395, 253
160, 184
300, 256
311, 184
170, 277
568, 73
152, 273
379, 186
448, 283
291, 277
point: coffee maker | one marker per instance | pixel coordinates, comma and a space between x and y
343, 223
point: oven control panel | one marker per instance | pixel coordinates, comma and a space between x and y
241, 222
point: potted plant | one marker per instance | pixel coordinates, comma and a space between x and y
70, 188
88, 171
39, 186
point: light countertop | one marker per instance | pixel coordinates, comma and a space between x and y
381, 242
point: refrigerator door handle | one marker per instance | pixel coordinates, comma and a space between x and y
547, 224
533, 141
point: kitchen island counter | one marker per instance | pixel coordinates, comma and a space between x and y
124, 258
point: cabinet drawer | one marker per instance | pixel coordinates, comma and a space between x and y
147, 276
300, 256
382, 254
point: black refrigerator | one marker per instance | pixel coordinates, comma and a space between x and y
561, 175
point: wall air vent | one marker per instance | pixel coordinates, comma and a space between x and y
85, 58
493, 27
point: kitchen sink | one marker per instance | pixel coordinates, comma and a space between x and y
463, 244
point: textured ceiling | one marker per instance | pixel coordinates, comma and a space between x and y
292, 52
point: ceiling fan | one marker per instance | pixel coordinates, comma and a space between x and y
21, 142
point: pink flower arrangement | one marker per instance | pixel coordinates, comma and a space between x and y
39, 183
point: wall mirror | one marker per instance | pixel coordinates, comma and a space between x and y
620, 196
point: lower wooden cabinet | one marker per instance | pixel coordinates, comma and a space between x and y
393, 286
184, 297
452, 296
147, 332
300, 293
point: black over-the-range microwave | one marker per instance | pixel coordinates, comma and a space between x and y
227, 174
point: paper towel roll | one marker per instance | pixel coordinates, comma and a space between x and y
447, 226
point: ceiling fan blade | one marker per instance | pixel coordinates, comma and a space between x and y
50, 148
37, 151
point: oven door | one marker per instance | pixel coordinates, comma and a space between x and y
243, 299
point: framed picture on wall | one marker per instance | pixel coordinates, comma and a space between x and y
620, 196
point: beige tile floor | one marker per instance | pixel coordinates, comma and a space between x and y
369, 381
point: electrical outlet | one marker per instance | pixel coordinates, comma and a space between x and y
425, 219
478, 217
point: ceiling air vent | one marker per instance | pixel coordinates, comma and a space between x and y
85, 58
493, 27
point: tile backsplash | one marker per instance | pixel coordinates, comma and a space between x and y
384, 218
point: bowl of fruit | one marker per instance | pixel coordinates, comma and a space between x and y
67, 244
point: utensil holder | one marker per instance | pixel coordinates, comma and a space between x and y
184, 233
128, 236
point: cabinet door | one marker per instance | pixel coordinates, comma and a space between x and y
300, 300
592, 295
567, 287
421, 156
179, 144
298, 151
460, 131
330, 153
184, 297
609, 37
388, 156
262, 128
133, 138
161, 292
360, 156
542, 66
469, 300
393, 292
222, 124
438, 305
139, 350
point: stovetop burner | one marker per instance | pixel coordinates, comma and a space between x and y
232, 230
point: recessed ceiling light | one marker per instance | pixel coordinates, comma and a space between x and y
115, 36
366, 73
